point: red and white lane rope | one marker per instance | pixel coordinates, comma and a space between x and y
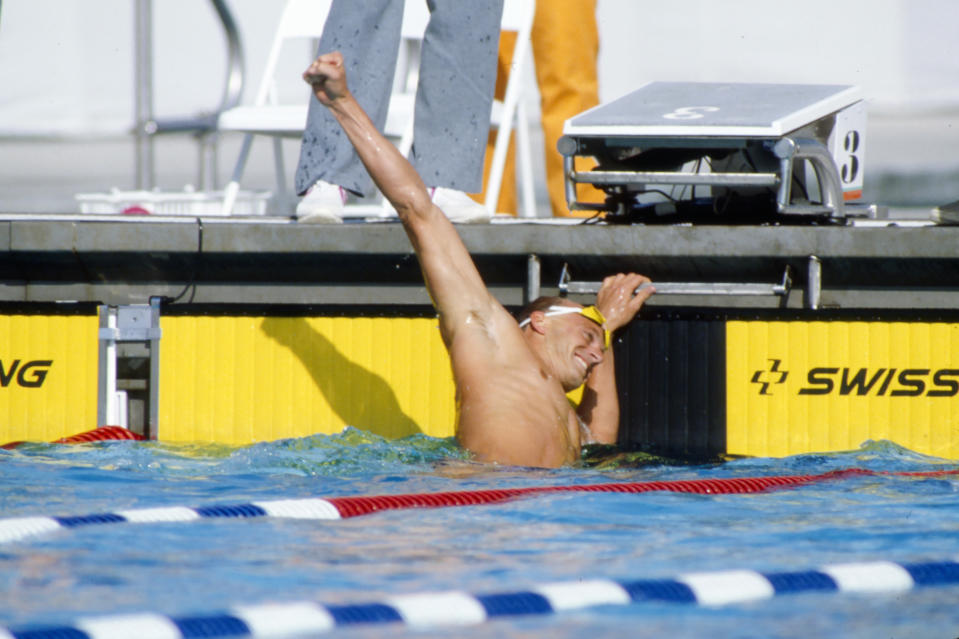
17, 528
100, 434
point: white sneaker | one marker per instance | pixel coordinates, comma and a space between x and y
323, 204
458, 206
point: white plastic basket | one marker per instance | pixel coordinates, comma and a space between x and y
186, 202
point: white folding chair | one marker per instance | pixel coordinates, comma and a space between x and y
305, 19
300, 19
518, 17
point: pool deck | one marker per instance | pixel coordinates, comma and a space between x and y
874, 264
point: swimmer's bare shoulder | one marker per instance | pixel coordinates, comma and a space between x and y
510, 409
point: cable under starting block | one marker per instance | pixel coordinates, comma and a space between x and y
673, 152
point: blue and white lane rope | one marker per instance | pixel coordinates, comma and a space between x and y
454, 608
17, 528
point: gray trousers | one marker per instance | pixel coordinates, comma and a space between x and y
454, 96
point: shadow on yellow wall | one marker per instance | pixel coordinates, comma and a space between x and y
357, 395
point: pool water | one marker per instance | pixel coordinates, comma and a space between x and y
209, 565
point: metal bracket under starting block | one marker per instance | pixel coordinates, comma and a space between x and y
567, 285
758, 150
130, 323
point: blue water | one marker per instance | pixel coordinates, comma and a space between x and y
209, 565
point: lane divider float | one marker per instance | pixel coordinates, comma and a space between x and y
99, 434
17, 528
457, 608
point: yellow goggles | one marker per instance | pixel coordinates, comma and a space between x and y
594, 314
590, 312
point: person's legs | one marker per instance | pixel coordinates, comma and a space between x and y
367, 33
455, 92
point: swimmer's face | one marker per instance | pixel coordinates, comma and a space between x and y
579, 346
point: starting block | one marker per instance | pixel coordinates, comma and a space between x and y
722, 153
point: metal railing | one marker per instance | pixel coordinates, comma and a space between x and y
569, 286
202, 125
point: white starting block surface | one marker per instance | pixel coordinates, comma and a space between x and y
694, 109
813, 133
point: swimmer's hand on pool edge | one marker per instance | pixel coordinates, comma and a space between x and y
621, 296
619, 299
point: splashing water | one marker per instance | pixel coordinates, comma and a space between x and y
210, 565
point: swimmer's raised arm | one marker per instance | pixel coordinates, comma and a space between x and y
511, 383
619, 299
394, 176
451, 277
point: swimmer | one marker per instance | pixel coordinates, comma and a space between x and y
511, 377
